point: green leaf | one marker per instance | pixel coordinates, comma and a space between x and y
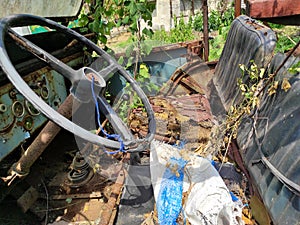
141, 7
125, 20
144, 71
83, 29
133, 26
129, 50
120, 12
83, 20
127, 3
121, 60
132, 8
147, 32
147, 48
129, 62
103, 39
119, 23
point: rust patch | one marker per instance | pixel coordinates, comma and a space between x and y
185, 118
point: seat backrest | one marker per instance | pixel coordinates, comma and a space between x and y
247, 40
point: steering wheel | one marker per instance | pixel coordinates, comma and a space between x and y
81, 81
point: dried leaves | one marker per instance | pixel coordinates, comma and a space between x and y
285, 85
259, 211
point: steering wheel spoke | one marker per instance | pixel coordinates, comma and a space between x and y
80, 79
106, 71
52, 61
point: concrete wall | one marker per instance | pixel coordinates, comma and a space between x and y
166, 10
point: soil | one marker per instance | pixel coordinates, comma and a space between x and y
56, 199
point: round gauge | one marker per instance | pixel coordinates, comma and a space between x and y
28, 123
18, 109
3, 108
7, 119
31, 109
45, 92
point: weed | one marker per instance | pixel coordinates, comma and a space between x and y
134, 101
181, 32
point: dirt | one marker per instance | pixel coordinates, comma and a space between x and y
116, 38
178, 118
57, 200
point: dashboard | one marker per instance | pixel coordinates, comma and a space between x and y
19, 119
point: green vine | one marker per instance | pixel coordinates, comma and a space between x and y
134, 102
101, 17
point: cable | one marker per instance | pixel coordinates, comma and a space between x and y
109, 136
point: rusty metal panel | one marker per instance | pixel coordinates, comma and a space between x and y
247, 40
275, 11
18, 118
278, 136
44, 8
272, 8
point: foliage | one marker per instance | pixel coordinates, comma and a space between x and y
275, 25
143, 78
198, 22
181, 32
101, 16
286, 42
217, 43
287, 36
295, 68
216, 20
251, 85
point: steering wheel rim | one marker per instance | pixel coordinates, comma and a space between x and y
26, 19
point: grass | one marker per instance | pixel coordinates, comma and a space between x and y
287, 36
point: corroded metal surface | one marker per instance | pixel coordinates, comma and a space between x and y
186, 118
44, 138
272, 8
275, 11
20, 119
47, 84
181, 108
107, 214
191, 78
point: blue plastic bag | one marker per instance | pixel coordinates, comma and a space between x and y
169, 203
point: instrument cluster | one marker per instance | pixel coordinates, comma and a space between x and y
18, 117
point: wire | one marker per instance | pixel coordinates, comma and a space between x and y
109, 136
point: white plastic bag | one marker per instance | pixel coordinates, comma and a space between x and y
208, 202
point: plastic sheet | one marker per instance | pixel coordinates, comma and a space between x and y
208, 199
